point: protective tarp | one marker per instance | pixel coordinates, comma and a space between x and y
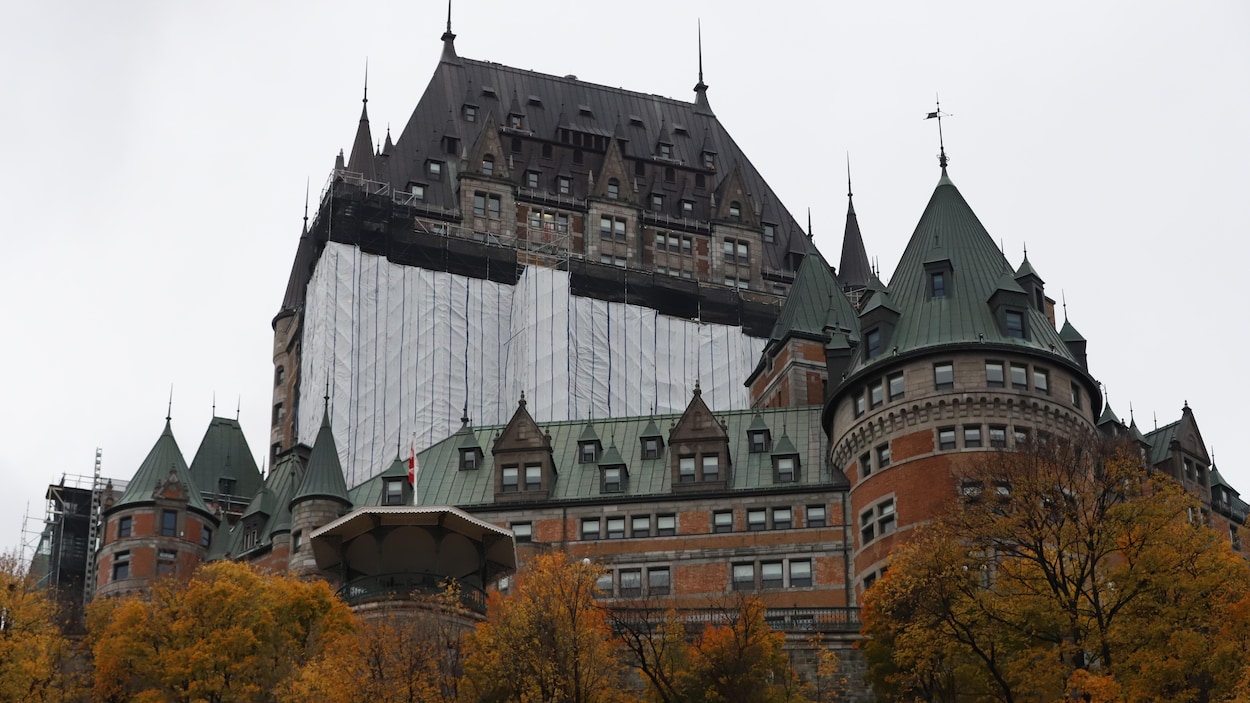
405, 350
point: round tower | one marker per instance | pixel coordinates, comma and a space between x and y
320, 499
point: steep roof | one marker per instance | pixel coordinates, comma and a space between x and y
324, 476
271, 503
1108, 415
362, 160
1161, 442
224, 453
164, 458
301, 272
1068, 333
853, 270
550, 103
949, 231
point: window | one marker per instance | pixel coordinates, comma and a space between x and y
876, 395
435, 169
394, 492
492, 207
883, 456
1076, 395
816, 515
612, 260
589, 452
800, 573
590, 528
640, 526
860, 404
744, 577
865, 465
531, 179
468, 459
946, 438
873, 342
470, 113
510, 477
533, 477
1019, 377
451, 145
124, 525
897, 388
1015, 324
757, 520
657, 201
121, 565
711, 467
771, 574
479, 204
631, 582
1041, 381
417, 190
937, 284
616, 528
279, 375
612, 480
998, 436
723, 521
972, 437
169, 523
279, 412
876, 521
770, 232
524, 531
785, 470
666, 525
488, 165
225, 486
516, 145
687, 208
1020, 435
206, 536
709, 160
165, 564
564, 185
783, 518
944, 376
612, 228
759, 441
994, 376
514, 121
603, 585
486, 206
651, 448
666, 151
685, 469
614, 189
658, 581
735, 210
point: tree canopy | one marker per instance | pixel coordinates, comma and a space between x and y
33, 651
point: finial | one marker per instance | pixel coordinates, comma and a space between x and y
366, 98
169, 409
1131, 419
214, 403
700, 30
238, 408
942, 160
1186, 404
809, 222
1156, 418
306, 191
449, 16
1064, 296
848, 174
1026, 250
326, 397
464, 415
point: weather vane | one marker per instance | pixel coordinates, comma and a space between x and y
942, 160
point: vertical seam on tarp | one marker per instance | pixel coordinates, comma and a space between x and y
377, 293
403, 342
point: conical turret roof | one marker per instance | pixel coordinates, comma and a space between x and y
362, 158
324, 476
224, 454
813, 295
1068, 333
1108, 415
164, 458
853, 270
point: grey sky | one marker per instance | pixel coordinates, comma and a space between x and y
158, 154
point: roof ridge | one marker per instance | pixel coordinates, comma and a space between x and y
602, 86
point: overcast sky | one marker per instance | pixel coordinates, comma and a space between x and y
158, 155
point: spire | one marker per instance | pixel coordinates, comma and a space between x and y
306, 180
700, 88
942, 160
854, 272
449, 40
324, 476
361, 160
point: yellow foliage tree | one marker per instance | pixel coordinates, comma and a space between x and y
33, 652
230, 633
545, 642
1068, 570
740, 661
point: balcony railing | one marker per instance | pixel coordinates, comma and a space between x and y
781, 619
409, 586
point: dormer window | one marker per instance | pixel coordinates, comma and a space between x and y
770, 232
670, 174
488, 165
531, 179
785, 469
394, 494
666, 151
470, 113
417, 190
614, 189
709, 160
451, 145
533, 477
687, 208
612, 479
937, 284
759, 441
872, 343
514, 121
685, 469
469, 459
1015, 324
225, 486
651, 447
711, 467
657, 201
435, 169
564, 185
510, 479
589, 452
735, 211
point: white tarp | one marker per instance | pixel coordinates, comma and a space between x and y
406, 349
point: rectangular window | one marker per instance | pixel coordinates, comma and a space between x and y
651, 448
121, 566
524, 531
877, 521
937, 284
723, 521
744, 577
279, 412
631, 583
124, 525
657, 201
564, 185
468, 459
589, 452
1021, 435
873, 342
782, 518
1019, 377
640, 526
590, 528
816, 515
897, 389
728, 248
883, 456
604, 585
479, 204
944, 376
770, 233
436, 169
658, 581
1076, 395
800, 573
165, 568
169, 523
687, 208
972, 437
771, 574
1041, 380
531, 179
394, 493
206, 536
757, 520
685, 469
865, 465
946, 438
994, 376
616, 528
711, 467
759, 442
1015, 324
785, 469
666, 525
876, 395
509, 477
533, 477
998, 436
493, 207
860, 404
612, 482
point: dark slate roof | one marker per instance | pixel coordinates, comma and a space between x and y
1026, 269
979, 270
164, 457
1108, 415
324, 476
301, 271
441, 482
362, 160
1068, 333
224, 453
1161, 442
1218, 480
853, 270
271, 503
1133, 430
566, 102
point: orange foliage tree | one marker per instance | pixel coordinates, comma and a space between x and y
33, 652
229, 633
1068, 570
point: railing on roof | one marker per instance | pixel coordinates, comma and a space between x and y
685, 224
402, 586
790, 620
547, 198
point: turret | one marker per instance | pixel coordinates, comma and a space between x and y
320, 499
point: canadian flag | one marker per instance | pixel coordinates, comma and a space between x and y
412, 464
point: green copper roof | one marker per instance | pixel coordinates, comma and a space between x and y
784, 446
1108, 415
164, 458
262, 504
1068, 333
611, 457
466, 438
853, 269
651, 430
978, 271
757, 423
324, 476
588, 434
1134, 432
1218, 480
1161, 442
224, 453
271, 504
1026, 269
442, 482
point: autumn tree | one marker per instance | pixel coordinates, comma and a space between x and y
229, 633
546, 641
1066, 569
33, 652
